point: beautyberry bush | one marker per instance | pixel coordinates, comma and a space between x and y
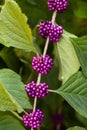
43, 65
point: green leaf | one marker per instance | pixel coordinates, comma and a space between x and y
14, 30
80, 45
76, 128
74, 91
13, 96
8, 122
6, 100
68, 61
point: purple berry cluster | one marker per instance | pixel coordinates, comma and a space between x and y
42, 64
59, 5
53, 31
33, 90
34, 119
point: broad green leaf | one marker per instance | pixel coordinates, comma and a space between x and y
68, 61
15, 92
8, 122
14, 30
80, 45
7, 102
81, 10
74, 91
76, 128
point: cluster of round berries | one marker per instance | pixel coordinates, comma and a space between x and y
33, 119
53, 31
43, 64
33, 90
59, 5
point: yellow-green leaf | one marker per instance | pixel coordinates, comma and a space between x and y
69, 63
7, 102
14, 30
12, 92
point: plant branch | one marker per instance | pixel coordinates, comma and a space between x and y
54, 16
53, 91
46, 47
44, 53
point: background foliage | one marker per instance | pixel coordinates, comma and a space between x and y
65, 108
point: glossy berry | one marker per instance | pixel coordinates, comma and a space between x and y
59, 5
34, 119
42, 64
42, 90
55, 33
31, 89
44, 28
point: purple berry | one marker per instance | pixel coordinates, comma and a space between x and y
31, 89
44, 28
34, 119
59, 5
55, 33
42, 90
42, 64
